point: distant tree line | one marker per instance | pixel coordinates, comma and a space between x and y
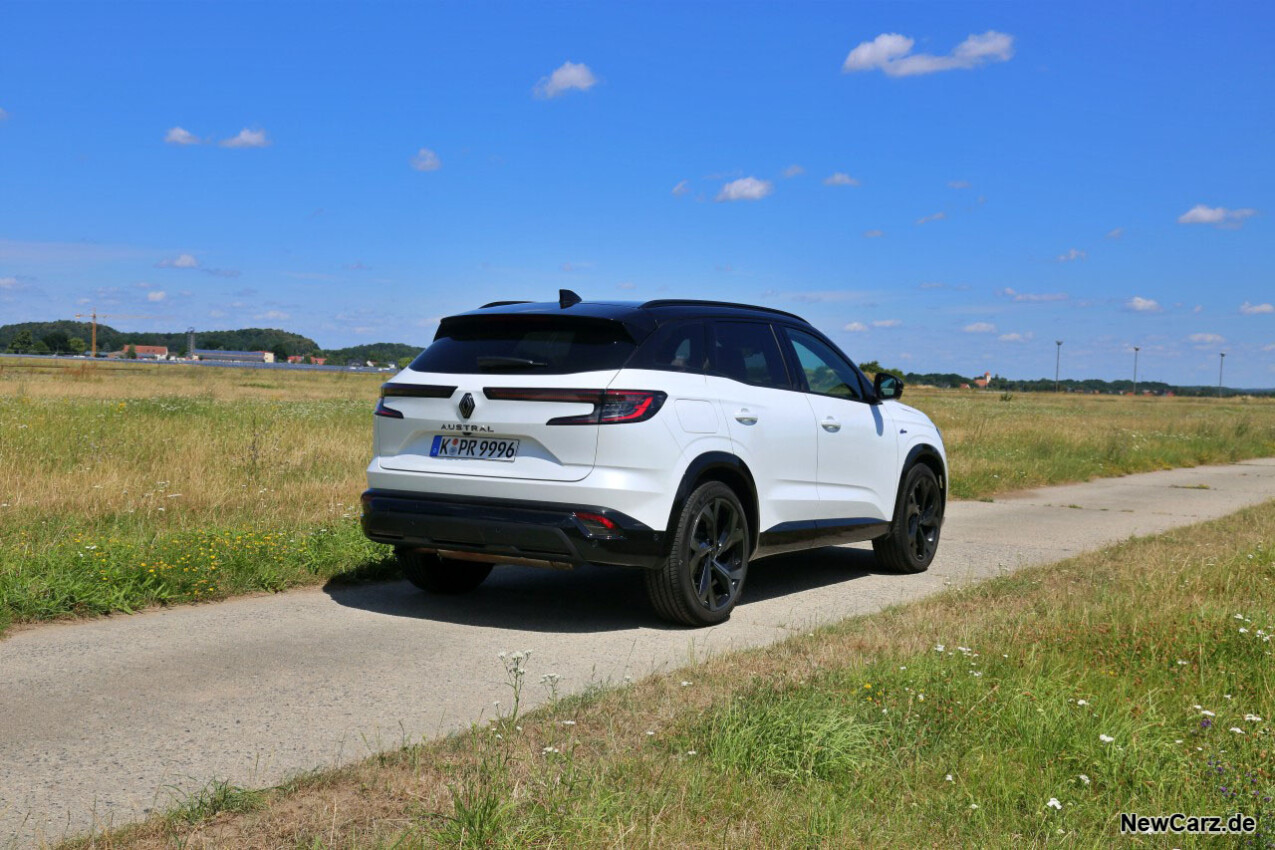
69, 337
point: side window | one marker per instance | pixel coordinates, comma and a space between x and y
749, 353
679, 347
827, 372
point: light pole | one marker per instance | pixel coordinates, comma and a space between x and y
1057, 361
1221, 361
1136, 349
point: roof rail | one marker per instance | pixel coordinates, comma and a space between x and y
501, 304
693, 302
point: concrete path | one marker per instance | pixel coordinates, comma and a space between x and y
101, 720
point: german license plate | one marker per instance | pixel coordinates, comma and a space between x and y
473, 448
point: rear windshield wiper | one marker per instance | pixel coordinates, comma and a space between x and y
489, 362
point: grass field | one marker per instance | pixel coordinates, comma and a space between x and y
123, 485
1025, 711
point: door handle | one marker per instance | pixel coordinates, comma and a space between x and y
744, 417
831, 425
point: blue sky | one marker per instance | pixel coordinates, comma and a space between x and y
941, 187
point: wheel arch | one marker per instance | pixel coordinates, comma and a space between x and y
729, 470
931, 457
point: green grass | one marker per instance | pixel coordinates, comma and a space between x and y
122, 565
1028, 710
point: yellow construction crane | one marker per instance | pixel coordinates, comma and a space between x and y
94, 316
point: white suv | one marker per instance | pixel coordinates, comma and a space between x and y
685, 438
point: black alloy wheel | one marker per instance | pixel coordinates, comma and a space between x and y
913, 539
703, 576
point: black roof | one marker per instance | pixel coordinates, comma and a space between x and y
645, 314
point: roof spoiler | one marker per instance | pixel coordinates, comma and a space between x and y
567, 298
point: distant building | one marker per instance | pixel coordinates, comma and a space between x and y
144, 352
300, 358
982, 382
234, 356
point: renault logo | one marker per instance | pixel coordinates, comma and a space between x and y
467, 405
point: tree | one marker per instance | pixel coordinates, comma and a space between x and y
75, 345
280, 352
130, 352
56, 341
21, 343
872, 367
40, 347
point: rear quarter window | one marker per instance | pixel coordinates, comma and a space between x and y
536, 345
677, 347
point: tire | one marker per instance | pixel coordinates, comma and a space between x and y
703, 576
446, 576
913, 539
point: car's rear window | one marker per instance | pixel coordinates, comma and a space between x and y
532, 345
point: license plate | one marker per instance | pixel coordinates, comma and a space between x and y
473, 448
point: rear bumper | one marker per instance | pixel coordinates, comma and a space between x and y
533, 531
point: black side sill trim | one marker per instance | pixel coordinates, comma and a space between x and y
813, 533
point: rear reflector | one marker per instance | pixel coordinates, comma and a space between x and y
596, 525
609, 406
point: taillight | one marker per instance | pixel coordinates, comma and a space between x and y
416, 391
609, 406
387, 412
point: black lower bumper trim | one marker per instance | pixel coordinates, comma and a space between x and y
533, 531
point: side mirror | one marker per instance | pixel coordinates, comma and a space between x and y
888, 386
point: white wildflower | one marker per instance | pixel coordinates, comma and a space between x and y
1084, 779
1053, 803
1106, 739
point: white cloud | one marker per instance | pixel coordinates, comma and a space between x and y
980, 328
273, 315
745, 189
892, 54
1016, 337
247, 139
426, 160
932, 285
938, 216
873, 234
958, 184
1270, 347
793, 170
1115, 233
178, 136
886, 323
1206, 339
570, 75
856, 327
1217, 216
1198, 308
157, 295
1032, 297
1071, 256
682, 188
626, 284
1143, 305
181, 261
8, 283
4, 116
840, 178
1254, 309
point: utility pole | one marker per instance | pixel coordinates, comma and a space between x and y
1221, 361
1136, 349
1057, 361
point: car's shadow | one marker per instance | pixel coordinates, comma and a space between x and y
590, 599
